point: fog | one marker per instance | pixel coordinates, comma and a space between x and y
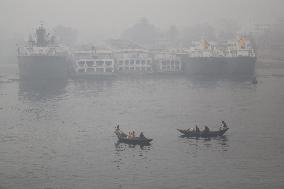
141, 94
110, 17
99, 20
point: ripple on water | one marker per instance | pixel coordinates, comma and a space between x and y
61, 136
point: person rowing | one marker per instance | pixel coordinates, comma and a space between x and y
224, 124
206, 129
117, 127
141, 135
197, 129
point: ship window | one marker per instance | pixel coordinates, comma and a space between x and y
100, 70
90, 63
81, 70
120, 62
81, 63
126, 62
90, 69
131, 62
143, 62
109, 70
108, 63
100, 63
137, 61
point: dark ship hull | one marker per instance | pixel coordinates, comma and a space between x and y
43, 67
228, 66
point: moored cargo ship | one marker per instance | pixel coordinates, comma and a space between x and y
42, 58
235, 58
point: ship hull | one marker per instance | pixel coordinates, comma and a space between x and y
105, 75
229, 66
43, 67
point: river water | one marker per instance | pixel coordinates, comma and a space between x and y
59, 135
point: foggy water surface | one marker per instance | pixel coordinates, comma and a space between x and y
60, 134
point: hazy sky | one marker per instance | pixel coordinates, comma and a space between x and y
110, 17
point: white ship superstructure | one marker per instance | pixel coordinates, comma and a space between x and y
133, 60
239, 48
233, 48
236, 57
53, 50
205, 49
88, 63
167, 62
42, 58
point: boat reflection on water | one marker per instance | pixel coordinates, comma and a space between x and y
222, 140
126, 152
120, 146
217, 143
38, 90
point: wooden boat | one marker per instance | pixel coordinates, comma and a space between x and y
122, 137
203, 134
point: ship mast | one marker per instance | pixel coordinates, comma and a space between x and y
41, 36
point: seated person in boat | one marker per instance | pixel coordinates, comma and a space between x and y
117, 128
206, 129
197, 129
141, 135
131, 135
223, 125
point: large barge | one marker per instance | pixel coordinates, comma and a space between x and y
93, 63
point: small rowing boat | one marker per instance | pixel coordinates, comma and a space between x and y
205, 133
122, 137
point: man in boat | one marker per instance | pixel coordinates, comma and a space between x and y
197, 129
141, 135
224, 124
131, 135
117, 131
117, 127
206, 129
